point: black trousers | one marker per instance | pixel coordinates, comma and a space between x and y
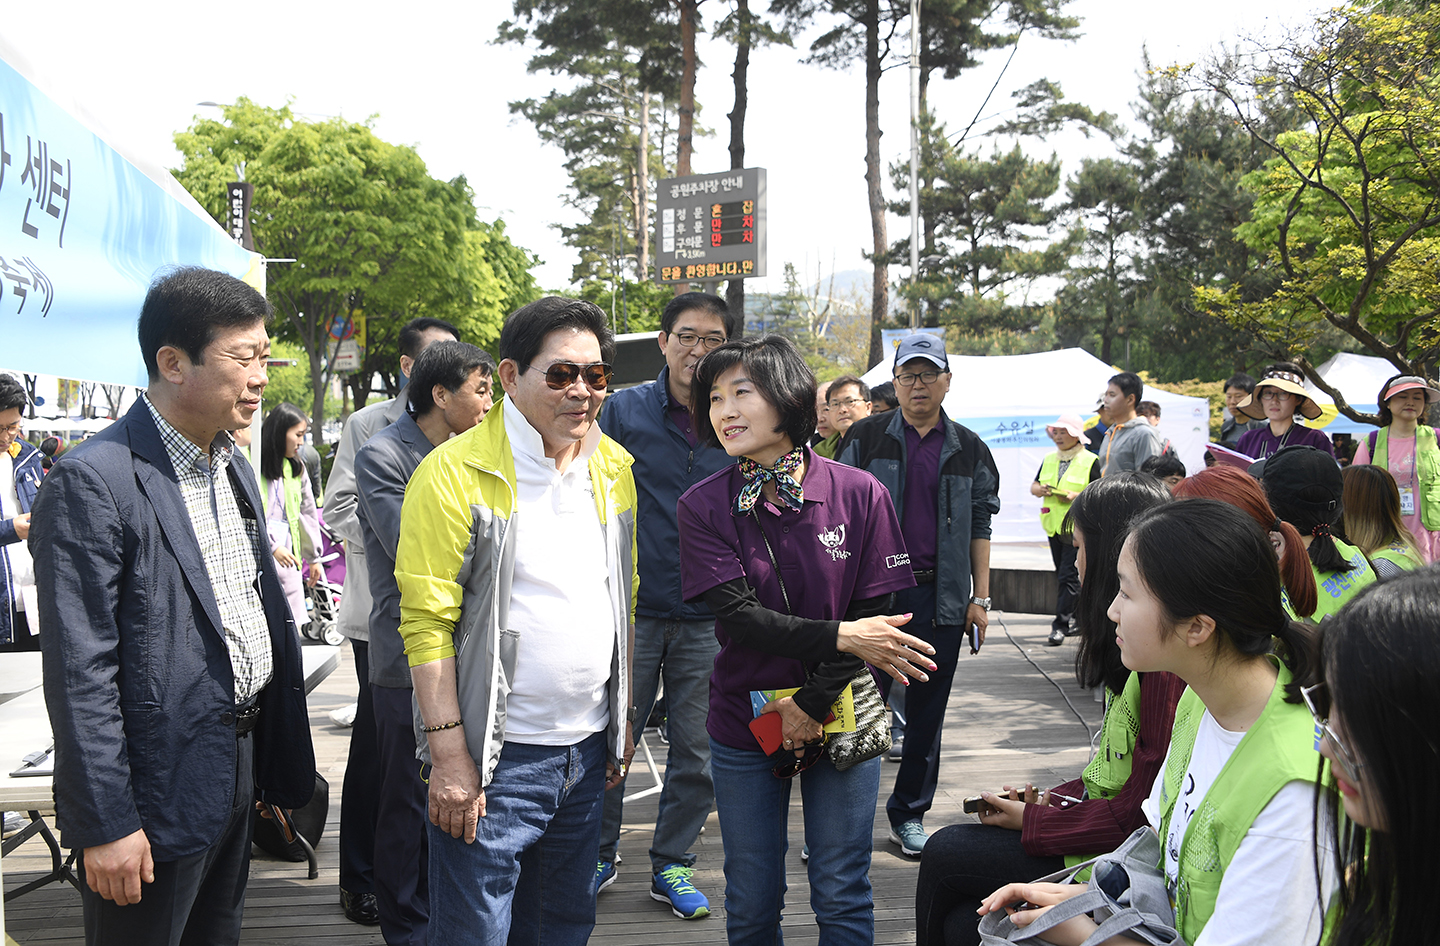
402, 870
362, 787
1067, 576
195, 901
963, 864
925, 704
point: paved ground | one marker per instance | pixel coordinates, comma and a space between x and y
1006, 722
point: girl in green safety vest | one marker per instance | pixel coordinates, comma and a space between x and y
1025, 833
1305, 489
1233, 806
1372, 522
1377, 710
1406, 446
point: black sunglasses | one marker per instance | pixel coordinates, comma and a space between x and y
791, 765
562, 374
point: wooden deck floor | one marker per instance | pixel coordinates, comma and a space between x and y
1005, 723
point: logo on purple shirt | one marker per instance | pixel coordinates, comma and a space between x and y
895, 561
832, 539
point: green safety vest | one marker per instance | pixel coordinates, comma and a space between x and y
1076, 478
1278, 749
1334, 589
1427, 471
1108, 772
1400, 555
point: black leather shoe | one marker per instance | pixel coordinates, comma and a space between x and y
360, 907
1057, 637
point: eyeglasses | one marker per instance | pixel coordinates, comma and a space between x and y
562, 374
689, 340
908, 379
11, 429
1317, 701
792, 765
848, 402
1274, 394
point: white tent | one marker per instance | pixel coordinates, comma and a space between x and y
1359, 378
1008, 400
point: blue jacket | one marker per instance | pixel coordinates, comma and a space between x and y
28, 474
665, 467
138, 682
969, 496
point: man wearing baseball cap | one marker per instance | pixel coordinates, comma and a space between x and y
1061, 477
946, 489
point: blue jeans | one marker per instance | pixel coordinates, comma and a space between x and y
530, 875
839, 809
683, 654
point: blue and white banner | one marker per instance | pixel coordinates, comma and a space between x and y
82, 233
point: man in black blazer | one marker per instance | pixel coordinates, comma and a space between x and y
172, 667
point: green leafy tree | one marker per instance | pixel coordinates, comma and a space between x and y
1099, 297
994, 225
372, 231
1347, 209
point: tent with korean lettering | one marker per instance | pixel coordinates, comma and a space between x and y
1008, 400
84, 228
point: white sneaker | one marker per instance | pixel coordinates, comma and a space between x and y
345, 715
15, 820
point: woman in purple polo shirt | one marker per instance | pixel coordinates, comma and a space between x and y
798, 557
1279, 397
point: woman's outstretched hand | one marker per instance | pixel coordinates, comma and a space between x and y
879, 641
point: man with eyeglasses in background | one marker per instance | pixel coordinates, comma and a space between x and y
674, 641
516, 570
946, 489
849, 400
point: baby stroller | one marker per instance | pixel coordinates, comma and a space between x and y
323, 600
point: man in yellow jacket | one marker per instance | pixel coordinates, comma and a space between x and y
516, 569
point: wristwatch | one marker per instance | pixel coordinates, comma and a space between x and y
983, 602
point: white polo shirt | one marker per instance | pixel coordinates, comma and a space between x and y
560, 605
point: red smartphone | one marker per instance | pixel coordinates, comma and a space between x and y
766, 728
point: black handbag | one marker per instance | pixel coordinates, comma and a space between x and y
292, 835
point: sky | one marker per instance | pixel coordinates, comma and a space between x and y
431, 77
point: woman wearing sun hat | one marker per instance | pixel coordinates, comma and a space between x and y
1407, 448
1278, 397
1061, 477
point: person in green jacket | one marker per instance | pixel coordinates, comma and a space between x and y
1373, 524
1233, 806
1305, 489
1376, 711
1406, 446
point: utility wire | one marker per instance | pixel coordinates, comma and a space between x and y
1089, 733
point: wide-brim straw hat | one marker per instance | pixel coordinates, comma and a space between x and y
1285, 381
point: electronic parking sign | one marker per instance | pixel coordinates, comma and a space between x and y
711, 226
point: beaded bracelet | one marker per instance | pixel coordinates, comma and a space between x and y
450, 725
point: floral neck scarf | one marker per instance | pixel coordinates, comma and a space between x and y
783, 473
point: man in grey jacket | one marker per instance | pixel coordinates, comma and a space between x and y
1131, 440
362, 768
449, 393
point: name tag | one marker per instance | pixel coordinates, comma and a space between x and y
1407, 501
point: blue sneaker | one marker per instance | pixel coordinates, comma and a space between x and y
911, 837
604, 875
672, 885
